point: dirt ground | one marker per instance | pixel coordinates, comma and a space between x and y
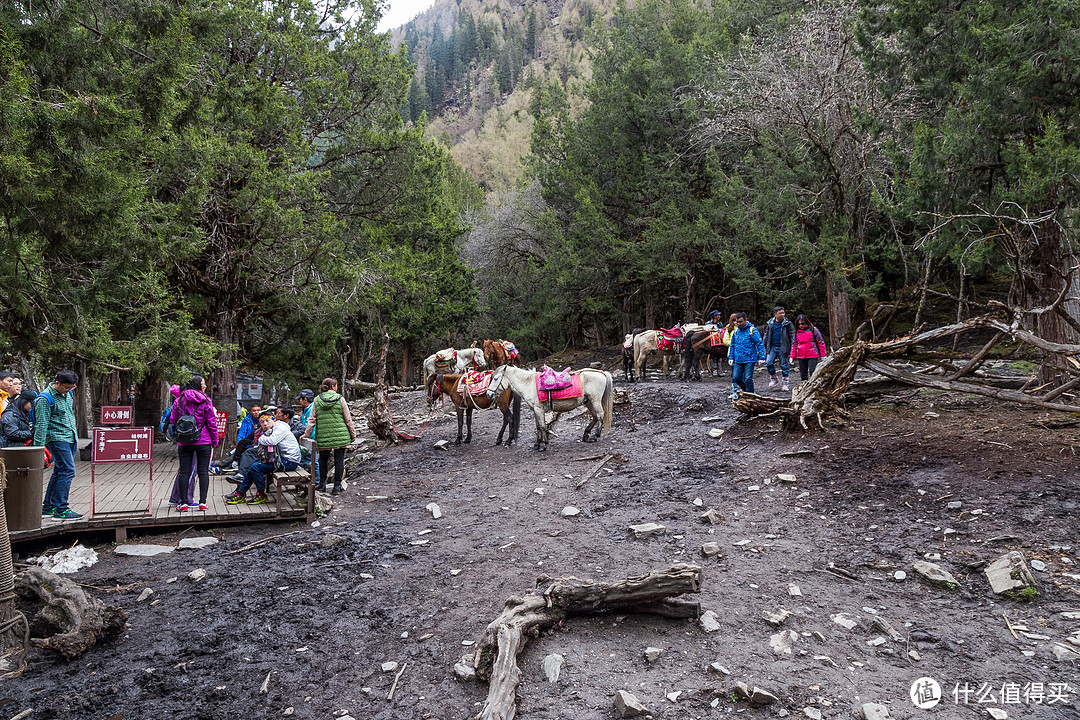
321, 614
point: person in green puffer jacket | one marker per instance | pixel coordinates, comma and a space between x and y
332, 424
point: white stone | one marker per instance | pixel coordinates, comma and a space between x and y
171, 580
812, 713
143, 550
716, 433
197, 575
755, 695
540, 491
711, 517
464, 672
718, 668
934, 573
646, 529
1009, 572
793, 590
1065, 653
552, 666
698, 502
777, 618
441, 445
674, 696
709, 622
785, 477
390, 666
877, 642
1038, 565
146, 593
197, 543
753, 488
434, 509
954, 505
781, 642
628, 705
899, 576
874, 711
288, 711
570, 511
653, 653
844, 620
710, 548
997, 713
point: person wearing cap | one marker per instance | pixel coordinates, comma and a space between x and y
305, 398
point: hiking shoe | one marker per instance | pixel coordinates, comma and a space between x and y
47, 512
774, 382
202, 507
336, 490
784, 386
258, 499
235, 479
66, 515
234, 498
183, 507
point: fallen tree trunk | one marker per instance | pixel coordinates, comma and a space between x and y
66, 619
553, 600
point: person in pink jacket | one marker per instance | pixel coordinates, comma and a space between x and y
197, 449
808, 347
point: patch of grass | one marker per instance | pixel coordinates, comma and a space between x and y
1024, 367
1026, 595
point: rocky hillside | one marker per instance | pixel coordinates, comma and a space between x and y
476, 62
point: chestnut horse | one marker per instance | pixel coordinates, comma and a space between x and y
495, 354
507, 402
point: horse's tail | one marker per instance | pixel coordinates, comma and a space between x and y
608, 400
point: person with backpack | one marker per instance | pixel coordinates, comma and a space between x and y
332, 424
16, 422
195, 427
808, 347
164, 427
54, 427
779, 336
747, 349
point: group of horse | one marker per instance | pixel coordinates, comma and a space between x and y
693, 345
506, 386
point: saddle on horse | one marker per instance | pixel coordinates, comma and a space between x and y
511, 351
668, 338
553, 385
474, 382
446, 361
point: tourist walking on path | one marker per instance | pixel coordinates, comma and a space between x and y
746, 350
332, 424
54, 427
808, 348
779, 334
195, 438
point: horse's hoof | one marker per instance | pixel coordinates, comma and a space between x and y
498, 442
468, 440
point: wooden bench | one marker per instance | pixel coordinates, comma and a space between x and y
298, 478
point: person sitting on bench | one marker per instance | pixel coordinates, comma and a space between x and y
282, 453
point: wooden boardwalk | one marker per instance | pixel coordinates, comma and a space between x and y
122, 499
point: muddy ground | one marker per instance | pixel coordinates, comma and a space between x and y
869, 499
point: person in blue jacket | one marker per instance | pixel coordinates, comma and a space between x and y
747, 349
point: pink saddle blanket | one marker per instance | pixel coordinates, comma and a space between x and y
474, 383
573, 391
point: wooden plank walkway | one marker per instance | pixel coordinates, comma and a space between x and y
122, 500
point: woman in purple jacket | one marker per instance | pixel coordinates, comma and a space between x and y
194, 402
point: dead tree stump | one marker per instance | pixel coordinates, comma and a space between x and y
66, 620
378, 416
553, 600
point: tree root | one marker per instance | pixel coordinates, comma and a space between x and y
555, 599
62, 617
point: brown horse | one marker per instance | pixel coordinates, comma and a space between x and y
507, 402
495, 354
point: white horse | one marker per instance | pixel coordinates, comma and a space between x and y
467, 359
597, 395
645, 344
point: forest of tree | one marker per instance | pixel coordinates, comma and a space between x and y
196, 185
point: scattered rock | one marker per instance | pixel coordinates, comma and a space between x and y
777, 618
390, 666
709, 622
812, 713
441, 445
698, 502
753, 488
146, 593
844, 620
171, 580
646, 529
899, 576
826, 659
1009, 572
785, 477
652, 653
793, 590
710, 548
571, 511
934, 574
434, 509
464, 672
197, 543
329, 540
628, 705
914, 655
755, 694
874, 711
1065, 654
781, 642
884, 626
718, 668
552, 667
197, 575
997, 713
674, 696
716, 433
954, 505
143, 550
288, 711
711, 517
877, 642
540, 491
1038, 565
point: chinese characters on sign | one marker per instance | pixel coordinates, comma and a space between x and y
122, 445
115, 414
222, 418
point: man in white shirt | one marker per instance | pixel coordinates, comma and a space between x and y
282, 453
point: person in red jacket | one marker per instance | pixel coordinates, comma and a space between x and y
808, 347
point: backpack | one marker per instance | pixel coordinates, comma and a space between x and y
187, 430
40, 395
